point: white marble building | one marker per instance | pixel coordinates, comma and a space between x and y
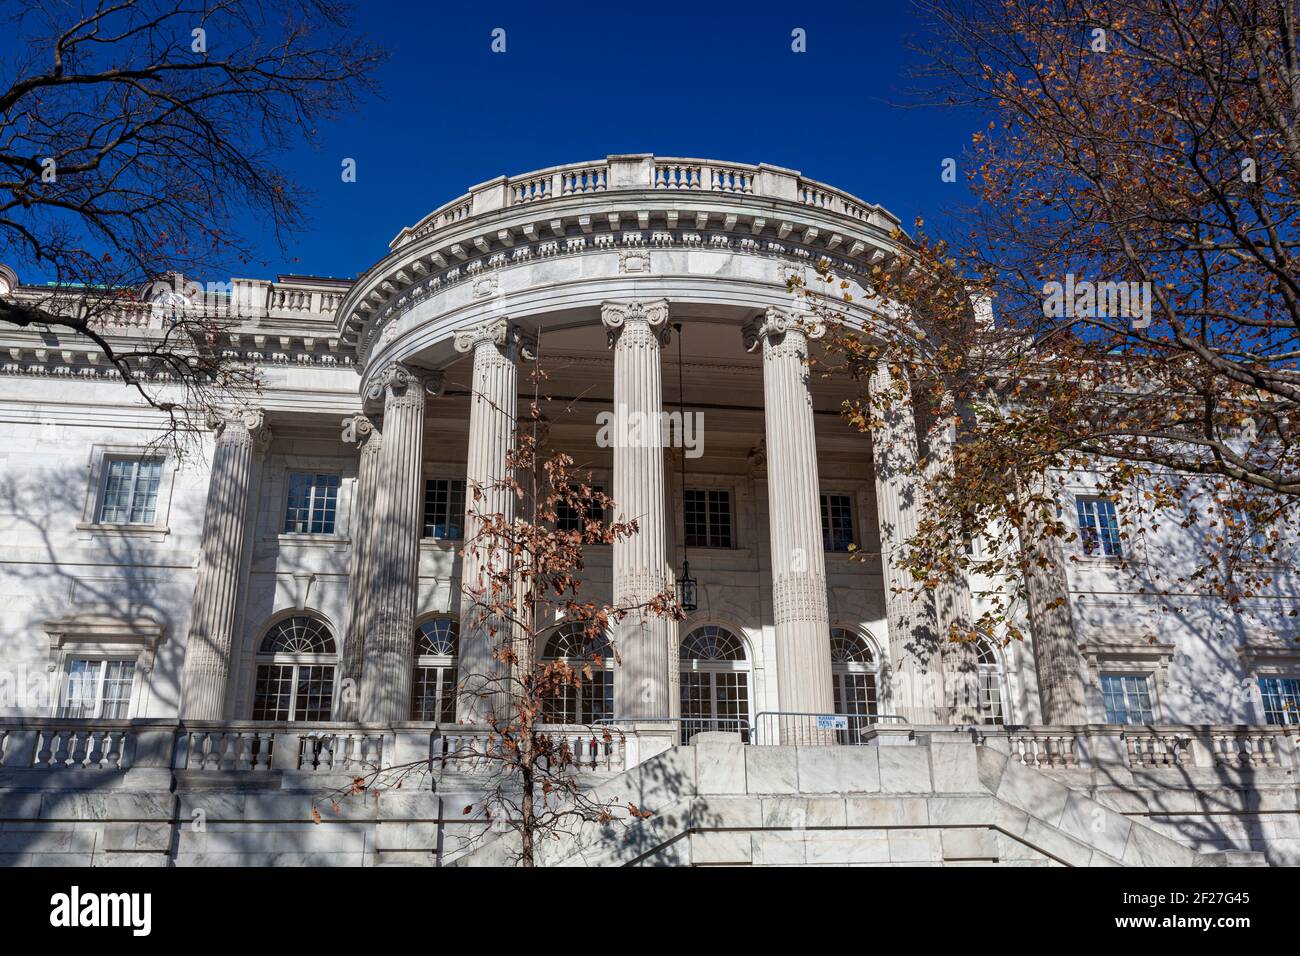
298, 581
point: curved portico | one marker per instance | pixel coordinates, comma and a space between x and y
560, 257
638, 283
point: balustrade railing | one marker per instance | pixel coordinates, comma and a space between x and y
250, 747
1054, 749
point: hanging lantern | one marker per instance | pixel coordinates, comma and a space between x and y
686, 589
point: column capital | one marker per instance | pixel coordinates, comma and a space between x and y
400, 381
775, 324
513, 341
233, 424
652, 313
359, 429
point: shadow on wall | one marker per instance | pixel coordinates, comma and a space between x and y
54, 570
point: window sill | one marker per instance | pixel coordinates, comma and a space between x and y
333, 541
124, 530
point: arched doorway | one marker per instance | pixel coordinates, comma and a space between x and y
714, 682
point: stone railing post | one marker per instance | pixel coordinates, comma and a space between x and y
360, 430
497, 346
398, 522
914, 653
215, 607
637, 332
803, 653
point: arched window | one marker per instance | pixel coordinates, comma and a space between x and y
714, 682
992, 701
295, 671
853, 678
433, 686
594, 700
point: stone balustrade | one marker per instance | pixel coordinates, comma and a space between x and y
43, 745
39, 746
643, 171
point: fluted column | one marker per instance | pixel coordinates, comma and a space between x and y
239, 434
496, 346
803, 657
1056, 648
398, 521
360, 430
642, 681
953, 605
915, 667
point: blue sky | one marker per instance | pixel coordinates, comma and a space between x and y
580, 81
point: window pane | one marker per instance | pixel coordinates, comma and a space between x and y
990, 695
1127, 698
1099, 527
707, 516
116, 505
444, 508
837, 522
315, 692
273, 692
82, 686
144, 499
311, 503
1281, 699
568, 518
434, 694
118, 676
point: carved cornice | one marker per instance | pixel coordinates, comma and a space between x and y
513, 341
373, 318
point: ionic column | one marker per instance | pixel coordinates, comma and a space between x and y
642, 681
216, 594
397, 524
953, 605
803, 657
915, 675
497, 346
1056, 649
360, 430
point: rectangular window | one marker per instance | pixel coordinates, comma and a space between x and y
130, 490
1099, 527
707, 518
991, 696
312, 502
837, 522
434, 696
98, 688
568, 518
1281, 699
444, 508
1127, 698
